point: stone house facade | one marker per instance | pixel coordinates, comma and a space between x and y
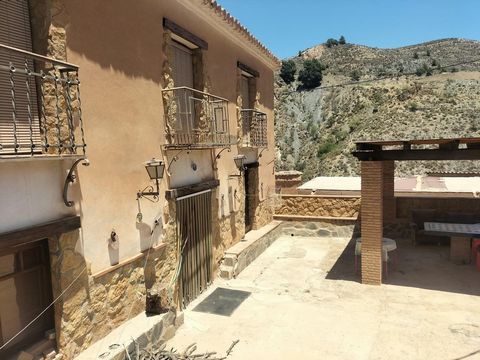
180, 81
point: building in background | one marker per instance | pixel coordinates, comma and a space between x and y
179, 81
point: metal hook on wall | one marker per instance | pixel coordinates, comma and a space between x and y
71, 178
174, 159
219, 155
261, 152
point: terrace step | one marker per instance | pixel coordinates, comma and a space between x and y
240, 255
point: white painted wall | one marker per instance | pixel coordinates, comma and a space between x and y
31, 192
182, 171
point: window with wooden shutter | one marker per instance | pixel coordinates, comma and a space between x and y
19, 120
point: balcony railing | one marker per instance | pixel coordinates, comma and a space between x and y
40, 106
254, 128
196, 119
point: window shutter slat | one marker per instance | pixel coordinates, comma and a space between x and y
15, 31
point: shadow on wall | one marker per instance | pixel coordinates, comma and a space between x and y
233, 226
101, 32
423, 266
149, 236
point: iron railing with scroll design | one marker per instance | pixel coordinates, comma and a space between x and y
254, 128
40, 106
196, 119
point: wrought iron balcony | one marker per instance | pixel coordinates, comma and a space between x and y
254, 128
195, 119
40, 106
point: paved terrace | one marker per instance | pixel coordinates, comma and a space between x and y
306, 301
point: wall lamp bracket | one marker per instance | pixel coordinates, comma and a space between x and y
240, 164
70, 179
175, 159
155, 169
218, 156
261, 152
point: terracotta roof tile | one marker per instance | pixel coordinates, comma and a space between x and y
237, 26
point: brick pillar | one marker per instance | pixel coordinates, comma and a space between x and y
372, 221
388, 192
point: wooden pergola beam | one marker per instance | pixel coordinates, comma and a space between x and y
405, 150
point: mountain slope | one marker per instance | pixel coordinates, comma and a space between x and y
316, 130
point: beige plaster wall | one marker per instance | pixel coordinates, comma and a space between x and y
118, 47
123, 111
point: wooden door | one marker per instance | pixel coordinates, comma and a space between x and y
25, 291
194, 234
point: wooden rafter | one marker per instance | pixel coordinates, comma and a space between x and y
424, 149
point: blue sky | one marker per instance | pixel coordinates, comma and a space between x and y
287, 26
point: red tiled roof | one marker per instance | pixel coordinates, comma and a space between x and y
237, 26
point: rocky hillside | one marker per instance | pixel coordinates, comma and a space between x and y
378, 94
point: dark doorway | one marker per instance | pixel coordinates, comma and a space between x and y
251, 194
25, 291
248, 220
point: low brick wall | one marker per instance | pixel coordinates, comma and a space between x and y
322, 206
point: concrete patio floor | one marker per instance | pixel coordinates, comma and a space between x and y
295, 310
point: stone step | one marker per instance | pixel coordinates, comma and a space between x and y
226, 272
38, 350
229, 260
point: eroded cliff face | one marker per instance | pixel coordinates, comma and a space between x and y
385, 99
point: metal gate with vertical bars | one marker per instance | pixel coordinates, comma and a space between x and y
194, 234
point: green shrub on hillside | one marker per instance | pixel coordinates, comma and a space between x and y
311, 74
423, 70
342, 40
331, 42
326, 147
413, 106
288, 71
355, 75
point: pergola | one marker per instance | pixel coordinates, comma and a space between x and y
377, 190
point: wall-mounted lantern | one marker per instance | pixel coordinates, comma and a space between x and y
239, 163
155, 169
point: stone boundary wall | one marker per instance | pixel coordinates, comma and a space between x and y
345, 206
319, 206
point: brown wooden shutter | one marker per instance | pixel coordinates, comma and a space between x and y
15, 31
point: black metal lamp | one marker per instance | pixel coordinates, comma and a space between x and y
240, 162
155, 169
